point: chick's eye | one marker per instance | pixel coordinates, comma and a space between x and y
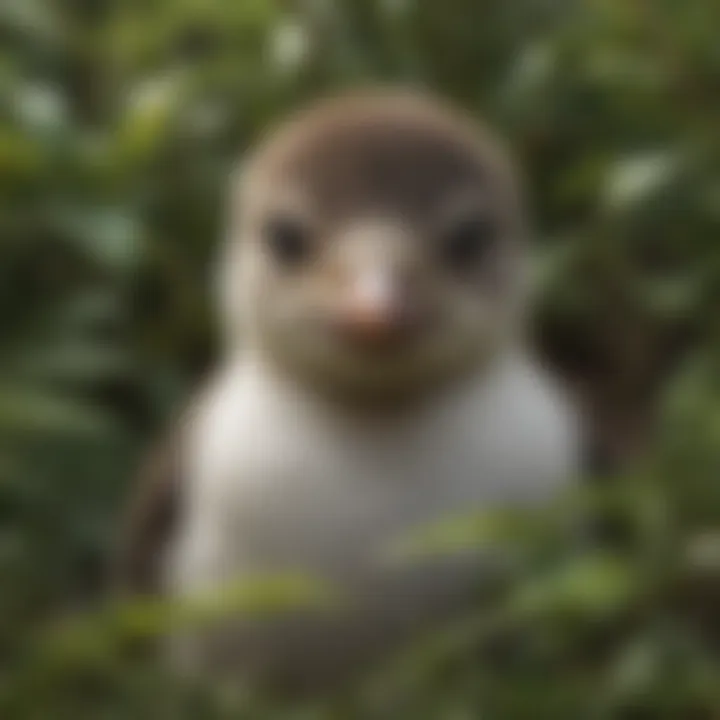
288, 239
468, 242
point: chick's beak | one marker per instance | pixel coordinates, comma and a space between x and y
377, 310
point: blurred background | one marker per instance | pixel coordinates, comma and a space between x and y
119, 123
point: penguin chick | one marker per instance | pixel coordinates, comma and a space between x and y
375, 380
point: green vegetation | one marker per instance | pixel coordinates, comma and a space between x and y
121, 121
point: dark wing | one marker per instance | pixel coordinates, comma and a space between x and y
153, 509
152, 512
150, 519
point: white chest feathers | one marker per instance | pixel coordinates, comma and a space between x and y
276, 483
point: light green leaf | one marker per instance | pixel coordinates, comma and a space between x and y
634, 180
112, 236
491, 529
593, 585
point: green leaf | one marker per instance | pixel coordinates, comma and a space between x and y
589, 586
111, 236
634, 180
31, 410
491, 529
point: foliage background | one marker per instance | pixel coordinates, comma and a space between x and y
120, 122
